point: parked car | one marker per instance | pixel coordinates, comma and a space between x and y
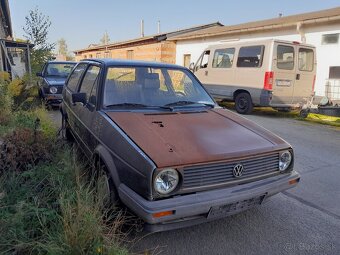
165, 149
275, 73
52, 80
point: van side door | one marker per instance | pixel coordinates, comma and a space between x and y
221, 82
284, 69
305, 75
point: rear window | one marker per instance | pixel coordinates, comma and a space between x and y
250, 56
285, 57
223, 58
306, 59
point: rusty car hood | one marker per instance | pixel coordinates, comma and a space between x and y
183, 138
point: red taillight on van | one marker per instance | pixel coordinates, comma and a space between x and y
268, 81
313, 86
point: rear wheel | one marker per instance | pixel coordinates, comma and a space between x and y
243, 103
66, 132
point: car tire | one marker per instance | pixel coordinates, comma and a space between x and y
243, 103
65, 130
106, 192
304, 113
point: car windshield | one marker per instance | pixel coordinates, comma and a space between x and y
153, 87
59, 69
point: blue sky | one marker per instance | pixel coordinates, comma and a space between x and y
82, 22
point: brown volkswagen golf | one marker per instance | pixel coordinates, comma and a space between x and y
165, 149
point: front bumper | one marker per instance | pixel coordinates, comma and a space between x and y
193, 209
53, 99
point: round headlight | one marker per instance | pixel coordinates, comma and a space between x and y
53, 90
285, 160
166, 181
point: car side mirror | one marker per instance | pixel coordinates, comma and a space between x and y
39, 74
192, 66
79, 98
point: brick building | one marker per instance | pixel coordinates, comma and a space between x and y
153, 48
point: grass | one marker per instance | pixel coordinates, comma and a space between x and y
51, 209
312, 117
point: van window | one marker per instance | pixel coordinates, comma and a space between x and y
203, 60
223, 58
285, 57
306, 59
250, 56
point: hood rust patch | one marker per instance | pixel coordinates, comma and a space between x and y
185, 138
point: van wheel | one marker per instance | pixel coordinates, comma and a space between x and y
243, 103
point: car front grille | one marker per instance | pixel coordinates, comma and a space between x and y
222, 173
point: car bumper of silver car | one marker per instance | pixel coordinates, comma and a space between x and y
192, 209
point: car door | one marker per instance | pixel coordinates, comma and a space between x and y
305, 75
201, 67
71, 87
284, 69
86, 113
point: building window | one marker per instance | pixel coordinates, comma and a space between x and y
223, 58
129, 54
107, 54
250, 56
334, 72
98, 55
90, 56
285, 57
85, 56
186, 60
330, 39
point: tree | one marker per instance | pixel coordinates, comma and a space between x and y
62, 47
105, 39
36, 32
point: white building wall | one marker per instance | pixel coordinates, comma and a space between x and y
327, 55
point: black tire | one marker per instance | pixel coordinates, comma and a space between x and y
304, 113
65, 130
243, 103
284, 110
104, 186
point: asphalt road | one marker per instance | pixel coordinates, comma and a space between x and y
303, 220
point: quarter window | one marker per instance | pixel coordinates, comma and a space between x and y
223, 58
89, 84
203, 60
285, 57
306, 59
75, 76
250, 56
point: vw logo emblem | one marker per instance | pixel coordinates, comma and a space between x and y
238, 170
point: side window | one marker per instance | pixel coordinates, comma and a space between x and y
89, 84
285, 57
203, 60
306, 59
250, 56
223, 58
75, 76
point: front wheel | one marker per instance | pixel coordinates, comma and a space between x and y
243, 103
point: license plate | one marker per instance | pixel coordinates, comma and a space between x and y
285, 83
229, 209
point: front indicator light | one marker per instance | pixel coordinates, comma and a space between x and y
162, 214
291, 182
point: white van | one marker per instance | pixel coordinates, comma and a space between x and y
275, 73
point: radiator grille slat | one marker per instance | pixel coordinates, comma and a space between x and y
219, 173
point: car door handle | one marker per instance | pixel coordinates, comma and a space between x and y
206, 73
298, 76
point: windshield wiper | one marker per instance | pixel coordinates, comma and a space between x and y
127, 105
180, 103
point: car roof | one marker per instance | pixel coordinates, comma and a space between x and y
124, 62
61, 62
